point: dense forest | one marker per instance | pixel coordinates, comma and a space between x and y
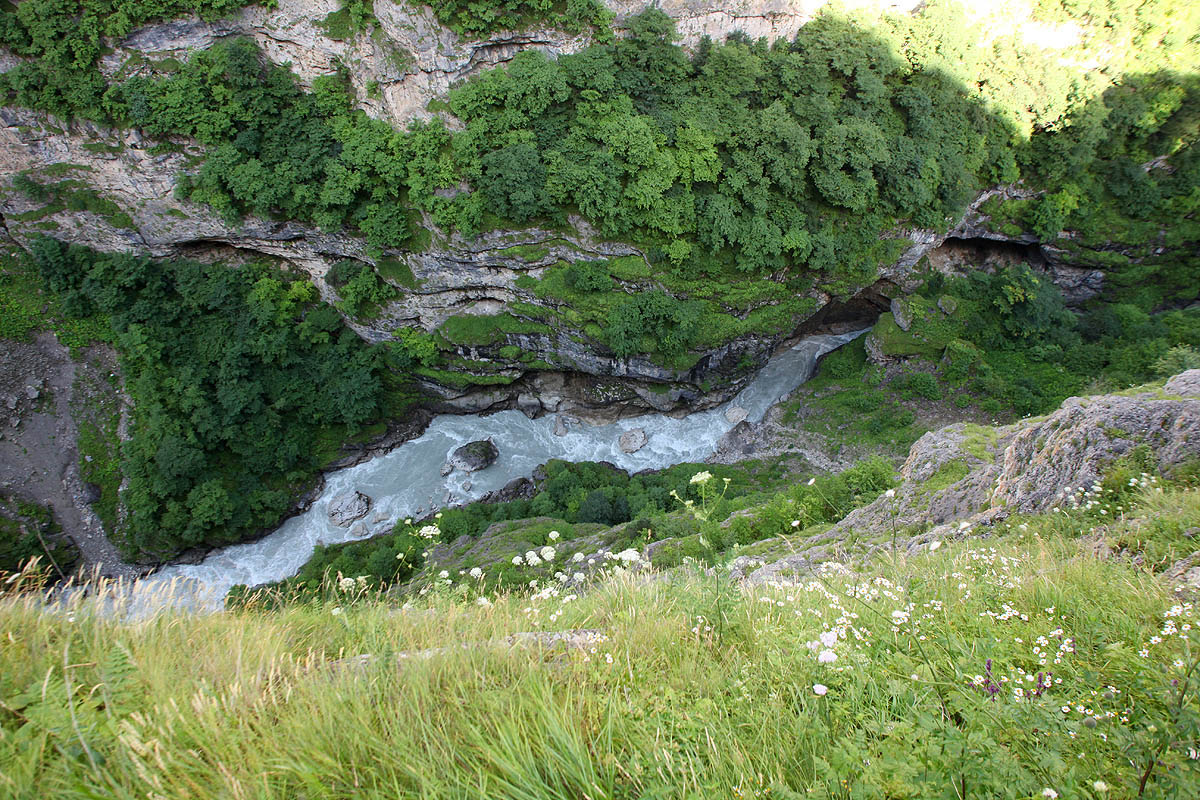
243, 386
751, 175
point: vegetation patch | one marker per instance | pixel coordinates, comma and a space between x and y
234, 374
28, 531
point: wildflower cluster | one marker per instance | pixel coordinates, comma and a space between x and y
1108, 501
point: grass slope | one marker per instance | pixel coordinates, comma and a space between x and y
1021, 666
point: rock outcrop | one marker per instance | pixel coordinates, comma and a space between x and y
964, 476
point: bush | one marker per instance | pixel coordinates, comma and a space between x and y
847, 361
921, 384
588, 276
1178, 359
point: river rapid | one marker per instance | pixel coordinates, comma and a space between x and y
407, 482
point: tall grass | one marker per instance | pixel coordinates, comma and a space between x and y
867, 684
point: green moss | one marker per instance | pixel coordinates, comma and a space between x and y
462, 380
526, 252
947, 475
398, 272
979, 441
72, 195
104, 148
927, 336
477, 330
100, 458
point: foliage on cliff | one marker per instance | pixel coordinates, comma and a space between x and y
780, 164
1008, 339
477, 18
243, 385
63, 39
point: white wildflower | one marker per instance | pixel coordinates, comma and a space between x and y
476, 573
629, 556
826, 657
701, 477
820, 689
518, 561
552, 536
547, 553
890, 493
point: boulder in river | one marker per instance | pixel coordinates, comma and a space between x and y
633, 440
735, 414
359, 530
347, 507
474, 456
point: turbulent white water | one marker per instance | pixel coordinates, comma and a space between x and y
407, 481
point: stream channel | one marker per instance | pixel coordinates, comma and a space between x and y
407, 482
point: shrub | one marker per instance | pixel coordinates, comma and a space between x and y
588, 276
921, 384
1177, 359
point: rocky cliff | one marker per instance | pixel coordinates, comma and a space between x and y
397, 69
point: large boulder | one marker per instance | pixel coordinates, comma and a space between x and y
474, 456
347, 507
901, 313
633, 440
735, 415
1184, 384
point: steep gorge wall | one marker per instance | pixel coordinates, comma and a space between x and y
411, 61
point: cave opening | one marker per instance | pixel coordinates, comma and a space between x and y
854, 313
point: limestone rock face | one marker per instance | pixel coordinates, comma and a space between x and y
900, 312
633, 440
348, 507
474, 456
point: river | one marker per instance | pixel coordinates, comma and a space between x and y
407, 481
